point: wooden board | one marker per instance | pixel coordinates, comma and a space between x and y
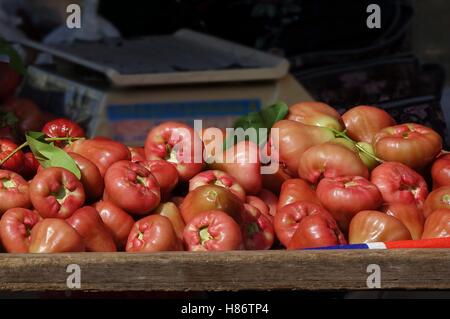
186, 57
264, 270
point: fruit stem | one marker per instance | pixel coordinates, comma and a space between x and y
23, 145
47, 139
359, 147
68, 138
204, 235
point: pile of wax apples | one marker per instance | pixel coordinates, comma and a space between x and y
17, 114
354, 178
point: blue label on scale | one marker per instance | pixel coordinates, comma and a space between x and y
131, 123
184, 109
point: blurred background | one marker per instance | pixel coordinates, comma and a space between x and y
336, 58
333, 56
332, 53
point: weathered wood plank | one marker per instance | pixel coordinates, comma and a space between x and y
183, 271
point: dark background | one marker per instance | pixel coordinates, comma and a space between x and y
402, 67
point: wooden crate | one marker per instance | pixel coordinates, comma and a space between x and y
238, 270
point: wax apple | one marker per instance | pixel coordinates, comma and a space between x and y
9, 80
295, 138
62, 127
437, 224
177, 200
439, 198
212, 231
137, 154
14, 191
409, 215
30, 166
242, 162
54, 235
411, 144
345, 196
171, 211
14, 163
288, 218
56, 192
368, 160
440, 171
219, 178
30, 116
178, 144
15, 229
165, 173
89, 225
270, 199
317, 114
103, 153
257, 229
259, 204
363, 122
399, 184
371, 226
294, 190
116, 220
132, 187
211, 197
91, 178
274, 181
317, 231
330, 160
153, 233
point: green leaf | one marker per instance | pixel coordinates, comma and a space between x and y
14, 58
274, 113
265, 118
36, 135
49, 155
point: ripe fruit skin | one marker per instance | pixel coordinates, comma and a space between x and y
132, 187
363, 122
437, 224
178, 144
296, 189
317, 114
245, 165
91, 178
54, 235
219, 178
330, 160
295, 138
411, 144
14, 191
440, 171
212, 231
409, 215
400, 184
153, 233
116, 220
288, 218
15, 229
102, 152
17, 161
371, 226
346, 196
438, 198
89, 225
317, 231
56, 192
211, 197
